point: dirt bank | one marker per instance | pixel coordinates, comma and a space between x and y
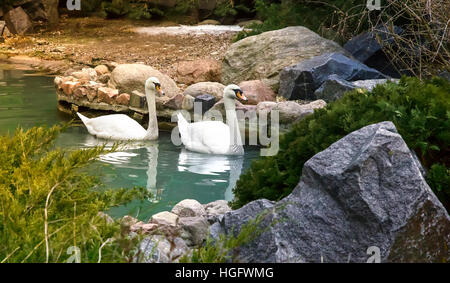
91, 41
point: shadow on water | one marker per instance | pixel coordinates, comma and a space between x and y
170, 172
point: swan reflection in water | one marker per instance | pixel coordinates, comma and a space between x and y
123, 159
135, 157
212, 165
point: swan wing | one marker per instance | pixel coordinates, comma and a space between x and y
208, 137
116, 127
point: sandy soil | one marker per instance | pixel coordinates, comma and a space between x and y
92, 41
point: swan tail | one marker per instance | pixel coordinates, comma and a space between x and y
83, 118
182, 128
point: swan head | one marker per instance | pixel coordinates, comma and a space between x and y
234, 92
153, 84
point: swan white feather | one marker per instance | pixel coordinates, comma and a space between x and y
122, 127
214, 137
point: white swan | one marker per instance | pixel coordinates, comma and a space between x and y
215, 137
122, 127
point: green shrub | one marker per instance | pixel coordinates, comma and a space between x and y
319, 16
419, 110
48, 203
232, 8
116, 8
90, 7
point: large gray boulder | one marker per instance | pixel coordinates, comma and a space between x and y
130, 77
263, 56
362, 199
301, 80
333, 88
368, 48
371, 84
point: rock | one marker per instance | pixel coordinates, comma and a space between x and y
104, 78
188, 103
175, 102
36, 11
138, 100
101, 70
206, 101
69, 86
6, 33
161, 101
92, 88
202, 70
249, 23
194, 230
263, 56
301, 80
80, 92
366, 48
51, 9
333, 88
111, 65
291, 112
86, 74
18, 21
2, 27
107, 95
57, 81
216, 209
364, 193
143, 228
81, 75
123, 99
371, 84
128, 221
165, 218
256, 91
130, 77
158, 249
209, 23
212, 88
444, 75
220, 107
263, 108
188, 208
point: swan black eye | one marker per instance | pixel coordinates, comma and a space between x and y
157, 84
236, 91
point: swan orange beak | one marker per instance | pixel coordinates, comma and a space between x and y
241, 95
159, 90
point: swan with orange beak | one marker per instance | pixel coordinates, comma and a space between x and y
215, 137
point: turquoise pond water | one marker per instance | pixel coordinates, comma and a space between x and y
28, 99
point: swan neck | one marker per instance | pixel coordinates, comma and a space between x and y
233, 124
152, 130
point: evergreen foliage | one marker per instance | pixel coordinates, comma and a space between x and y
48, 203
419, 109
